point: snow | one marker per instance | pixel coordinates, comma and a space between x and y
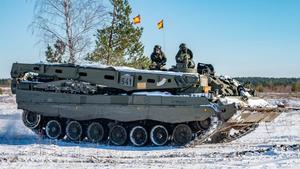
258, 103
229, 79
271, 145
253, 102
133, 70
127, 69
168, 94
152, 93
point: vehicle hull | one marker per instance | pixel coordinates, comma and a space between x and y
169, 109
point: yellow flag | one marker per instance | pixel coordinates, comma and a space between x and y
160, 24
137, 19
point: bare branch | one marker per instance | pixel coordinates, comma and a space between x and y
71, 21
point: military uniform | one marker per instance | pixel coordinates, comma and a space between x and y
185, 56
158, 59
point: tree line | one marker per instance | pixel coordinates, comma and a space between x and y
5, 82
265, 84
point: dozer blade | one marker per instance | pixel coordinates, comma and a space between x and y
245, 121
255, 115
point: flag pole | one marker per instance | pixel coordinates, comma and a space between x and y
164, 36
160, 25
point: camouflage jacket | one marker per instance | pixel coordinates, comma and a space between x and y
180, 56
158, 58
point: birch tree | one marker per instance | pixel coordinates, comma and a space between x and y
71, 22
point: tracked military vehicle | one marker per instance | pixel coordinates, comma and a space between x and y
125, 106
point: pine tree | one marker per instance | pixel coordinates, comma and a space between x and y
119, 43
139, 62
57, 55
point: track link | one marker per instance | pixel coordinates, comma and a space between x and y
203, 136
242, 132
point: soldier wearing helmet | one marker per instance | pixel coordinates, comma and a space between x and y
158, 59
185, 56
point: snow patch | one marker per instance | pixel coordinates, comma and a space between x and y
152, 93
252, 102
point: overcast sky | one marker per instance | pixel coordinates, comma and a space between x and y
239, 37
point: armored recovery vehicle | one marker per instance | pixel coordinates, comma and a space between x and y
123, 106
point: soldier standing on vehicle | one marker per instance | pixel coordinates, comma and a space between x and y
158, 59
185, 55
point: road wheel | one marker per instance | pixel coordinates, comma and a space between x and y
182, 134
118, 135
205, 124
53, 129
31, 120
95, 132
74, 130
138, 136
201, 125
159, 135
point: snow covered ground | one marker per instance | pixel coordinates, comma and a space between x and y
273, 145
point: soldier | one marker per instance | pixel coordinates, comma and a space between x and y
158, 59
185, 55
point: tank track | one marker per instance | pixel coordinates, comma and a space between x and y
216, 135
204, 136
198, 137
223, 136
241, 133
217, 132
